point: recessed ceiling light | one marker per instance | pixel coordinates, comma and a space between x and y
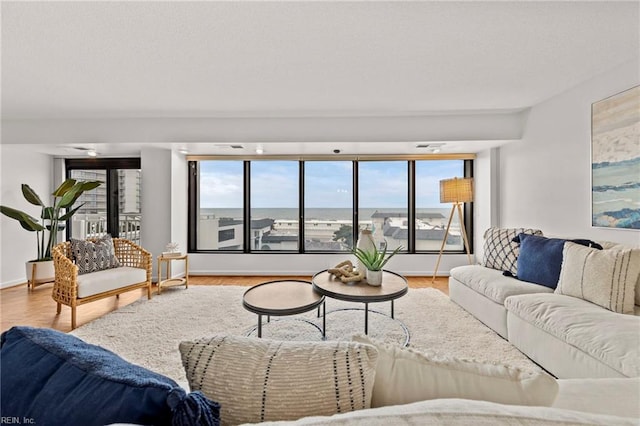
92, 153
183, 151
259, 150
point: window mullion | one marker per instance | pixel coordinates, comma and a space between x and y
411, 240
247, 208
356, 203
301, 188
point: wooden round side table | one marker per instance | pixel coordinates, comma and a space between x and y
162, 259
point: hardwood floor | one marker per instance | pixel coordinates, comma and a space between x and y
20, 306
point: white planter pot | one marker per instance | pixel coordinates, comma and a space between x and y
44, 272
374, 278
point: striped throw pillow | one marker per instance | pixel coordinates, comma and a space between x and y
257, 380
604, 277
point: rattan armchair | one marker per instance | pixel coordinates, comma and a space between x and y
65, 287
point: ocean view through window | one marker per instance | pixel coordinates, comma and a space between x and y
286, 206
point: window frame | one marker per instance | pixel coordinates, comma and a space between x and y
193, 200
111, 166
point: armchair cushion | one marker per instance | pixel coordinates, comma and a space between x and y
109, 279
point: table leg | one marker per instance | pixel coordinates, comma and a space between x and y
324, 319
268, 318
259, 325
160, 276
366, 318
392, 317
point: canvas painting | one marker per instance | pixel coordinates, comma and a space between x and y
615, 160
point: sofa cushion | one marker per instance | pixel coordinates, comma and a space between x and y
604, 277
54, 378
492, 284
500, 251
257, 379
609, 337
448, 412
540, 258
405, 375
109, 279
92, 256
613, 396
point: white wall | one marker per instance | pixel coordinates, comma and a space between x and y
545, 178
17, 246
308, 264
487, 195
156, 201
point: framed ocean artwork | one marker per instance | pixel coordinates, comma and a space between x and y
615, 160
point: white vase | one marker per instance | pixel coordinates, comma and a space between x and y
374, 278
365, 243
44, 272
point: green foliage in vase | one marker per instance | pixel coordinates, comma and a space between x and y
52, 218
374, 259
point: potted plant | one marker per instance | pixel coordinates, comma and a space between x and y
52, 220
374, 260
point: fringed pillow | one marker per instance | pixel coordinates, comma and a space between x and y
55, 378
257, 380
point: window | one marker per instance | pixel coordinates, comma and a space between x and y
274, 205
328, 206
114, 206
311, 206
220, 212
383, 198
432, 216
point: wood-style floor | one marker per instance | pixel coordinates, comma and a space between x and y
36, 308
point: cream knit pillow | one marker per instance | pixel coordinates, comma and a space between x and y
605, 277
257, 380
404, 376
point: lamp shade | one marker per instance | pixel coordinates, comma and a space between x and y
456, 190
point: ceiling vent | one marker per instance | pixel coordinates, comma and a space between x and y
433, 145
228, 145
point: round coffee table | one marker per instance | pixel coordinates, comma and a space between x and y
281, 298
393, 286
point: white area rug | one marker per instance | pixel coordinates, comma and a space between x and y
147, 333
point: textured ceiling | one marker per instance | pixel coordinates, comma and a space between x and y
302, 59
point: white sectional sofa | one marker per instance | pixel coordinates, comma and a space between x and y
567, 336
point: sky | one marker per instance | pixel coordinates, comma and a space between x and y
328, 184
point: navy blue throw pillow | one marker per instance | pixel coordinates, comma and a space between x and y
540, 258
52, 378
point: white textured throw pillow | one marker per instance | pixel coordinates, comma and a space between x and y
257, 380
404, 376
605, 277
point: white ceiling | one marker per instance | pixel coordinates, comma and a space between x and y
64, 60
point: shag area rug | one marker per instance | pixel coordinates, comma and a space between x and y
147, 332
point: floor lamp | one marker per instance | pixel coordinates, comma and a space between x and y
456, 191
